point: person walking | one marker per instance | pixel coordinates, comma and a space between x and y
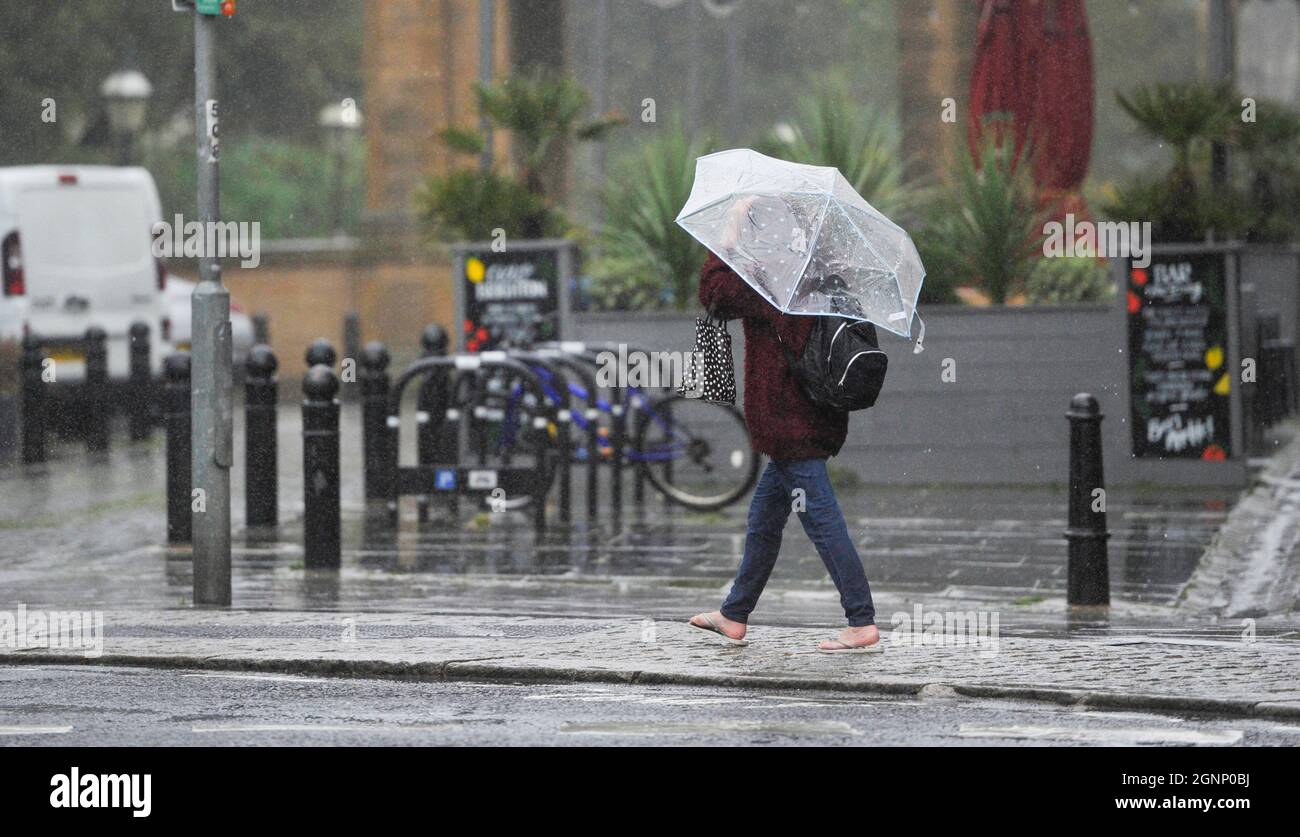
798, 437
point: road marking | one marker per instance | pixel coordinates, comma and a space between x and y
641, 728
1167, 640
1114, 736
244, 728
657, 700
34, 730
281, 678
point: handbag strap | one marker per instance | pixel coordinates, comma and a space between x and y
711, 316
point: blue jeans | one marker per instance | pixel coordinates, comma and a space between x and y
822, 520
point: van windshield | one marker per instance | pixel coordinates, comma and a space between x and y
73, 227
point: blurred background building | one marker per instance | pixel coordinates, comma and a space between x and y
338, 200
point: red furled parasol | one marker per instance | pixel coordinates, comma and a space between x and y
1032, 80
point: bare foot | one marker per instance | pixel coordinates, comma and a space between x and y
853, 638
729, 629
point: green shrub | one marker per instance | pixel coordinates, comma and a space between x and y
470, 204
541, 113
1061, 280
646, 259
985, 230
1258, 202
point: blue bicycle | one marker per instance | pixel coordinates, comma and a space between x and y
695, 453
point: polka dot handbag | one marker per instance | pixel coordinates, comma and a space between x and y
710, 372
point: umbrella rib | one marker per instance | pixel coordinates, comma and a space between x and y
893, 273
812, 248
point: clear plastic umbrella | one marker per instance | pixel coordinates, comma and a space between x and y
804, 239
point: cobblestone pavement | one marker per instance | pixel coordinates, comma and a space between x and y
108, 706
1252, 568
1218, 671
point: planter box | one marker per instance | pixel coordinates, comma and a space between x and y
1001, 419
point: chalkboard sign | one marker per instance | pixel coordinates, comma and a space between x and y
1179, 380
512, 297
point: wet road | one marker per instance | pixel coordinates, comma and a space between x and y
90, 705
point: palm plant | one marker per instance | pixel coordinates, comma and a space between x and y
1188, 118
541, 113
985, 229
835, 130
1270, 146
646, 259
1181, 115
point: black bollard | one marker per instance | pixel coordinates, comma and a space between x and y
34, 417
141, 381
1088, 568
375, 442
320, 463
176, 418
261, 398
321, 353
351, 349
96, 404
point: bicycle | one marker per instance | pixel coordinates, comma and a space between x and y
695, 453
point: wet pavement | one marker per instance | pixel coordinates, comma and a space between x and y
482, 597
87, 530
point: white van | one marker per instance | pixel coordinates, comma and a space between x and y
76, 251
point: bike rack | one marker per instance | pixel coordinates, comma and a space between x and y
453, 477
563, 419
590, 414
587, 353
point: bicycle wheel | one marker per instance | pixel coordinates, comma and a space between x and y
696, 453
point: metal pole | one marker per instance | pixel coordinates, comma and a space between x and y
1220, 60
600, 82
213, 410
486, 50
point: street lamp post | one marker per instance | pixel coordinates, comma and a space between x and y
126, 96
211, 381
340, 121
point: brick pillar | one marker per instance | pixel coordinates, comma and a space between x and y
936, 45
420, 62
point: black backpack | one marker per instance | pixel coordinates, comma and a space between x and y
841, 367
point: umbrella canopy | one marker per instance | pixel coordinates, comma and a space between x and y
804, 239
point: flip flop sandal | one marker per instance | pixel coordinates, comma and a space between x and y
845, 648
713, 628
